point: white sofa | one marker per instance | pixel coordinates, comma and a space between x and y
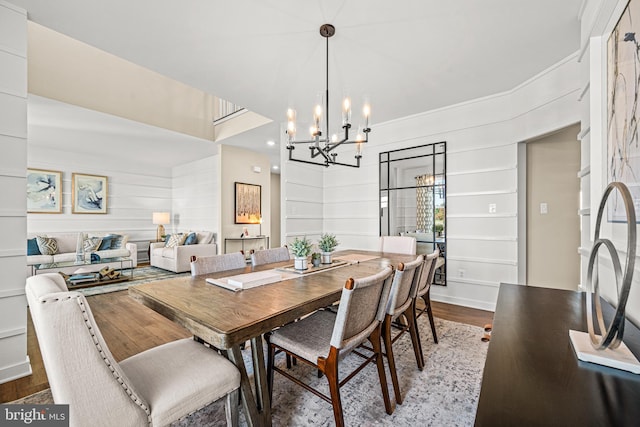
178, 258
66, 243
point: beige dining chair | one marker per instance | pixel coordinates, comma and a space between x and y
405, 282
398, 244
154, 388
423, 291
323, 339
212, 264
267, 256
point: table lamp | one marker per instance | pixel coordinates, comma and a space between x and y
161, 219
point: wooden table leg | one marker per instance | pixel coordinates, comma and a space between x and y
257, 408
260, 378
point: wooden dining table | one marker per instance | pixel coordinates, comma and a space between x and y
226, 319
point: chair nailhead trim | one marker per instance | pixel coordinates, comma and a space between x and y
115, 373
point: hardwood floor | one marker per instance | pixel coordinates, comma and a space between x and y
130, 328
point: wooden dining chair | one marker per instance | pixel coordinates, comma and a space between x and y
267, 256
423, 291
212, 264
325, 338
405, 282
153, 388
398, 244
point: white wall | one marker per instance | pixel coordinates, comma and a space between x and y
482, 137
598, 19
196, 196
302, 208
14, 362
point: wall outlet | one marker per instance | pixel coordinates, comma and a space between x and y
544, 208
460, 272
492, 208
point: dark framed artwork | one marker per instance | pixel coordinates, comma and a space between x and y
89, 194
248, 203
44, 191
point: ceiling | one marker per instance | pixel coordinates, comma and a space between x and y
266, 55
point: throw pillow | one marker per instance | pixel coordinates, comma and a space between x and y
117, 241
106, 242
32, 247
47, 245
175, 240
192, 239
91, 244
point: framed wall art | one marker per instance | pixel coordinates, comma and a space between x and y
623, 112
44, 191
89, 194
248, 203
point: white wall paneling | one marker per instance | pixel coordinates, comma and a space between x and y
482, 137
196, 196
14, 362
14, 74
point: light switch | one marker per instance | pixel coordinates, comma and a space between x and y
544, 208
492, 208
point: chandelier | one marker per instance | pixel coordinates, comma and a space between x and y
321, 146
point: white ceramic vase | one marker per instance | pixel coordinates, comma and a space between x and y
300, 263
326, 257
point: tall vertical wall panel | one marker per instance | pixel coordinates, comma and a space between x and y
14, 362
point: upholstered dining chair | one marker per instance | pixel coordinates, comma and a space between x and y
398, 244
212, 264
405, 282
323, 339
423, 290
155, 387
267, 256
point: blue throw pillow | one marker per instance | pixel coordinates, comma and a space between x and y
192, 239
116, 242
32, 247
106, 242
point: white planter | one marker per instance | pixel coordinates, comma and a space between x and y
300, 263
326, 257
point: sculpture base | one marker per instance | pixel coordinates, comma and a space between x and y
620, 358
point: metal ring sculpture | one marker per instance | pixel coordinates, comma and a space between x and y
614, 333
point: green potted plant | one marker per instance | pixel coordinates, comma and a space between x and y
300, 248
327, 244
315, 259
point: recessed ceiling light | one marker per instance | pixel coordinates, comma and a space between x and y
271, 143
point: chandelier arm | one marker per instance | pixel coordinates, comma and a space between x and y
306, 161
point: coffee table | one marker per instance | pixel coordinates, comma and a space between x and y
125, 264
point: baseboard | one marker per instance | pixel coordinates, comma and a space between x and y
13, 372
464, 302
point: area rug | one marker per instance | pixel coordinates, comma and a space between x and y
140, 275
445, 393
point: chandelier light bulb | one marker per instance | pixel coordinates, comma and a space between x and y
291, 115
346, 111
334, 138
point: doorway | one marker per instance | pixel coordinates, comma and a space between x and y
552, 204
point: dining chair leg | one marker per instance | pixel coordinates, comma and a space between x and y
231, 408
329, 366
376, 344
414, 308
427, 301
271, 353
388, 346
415, 337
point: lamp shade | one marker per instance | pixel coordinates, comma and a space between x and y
161, 218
